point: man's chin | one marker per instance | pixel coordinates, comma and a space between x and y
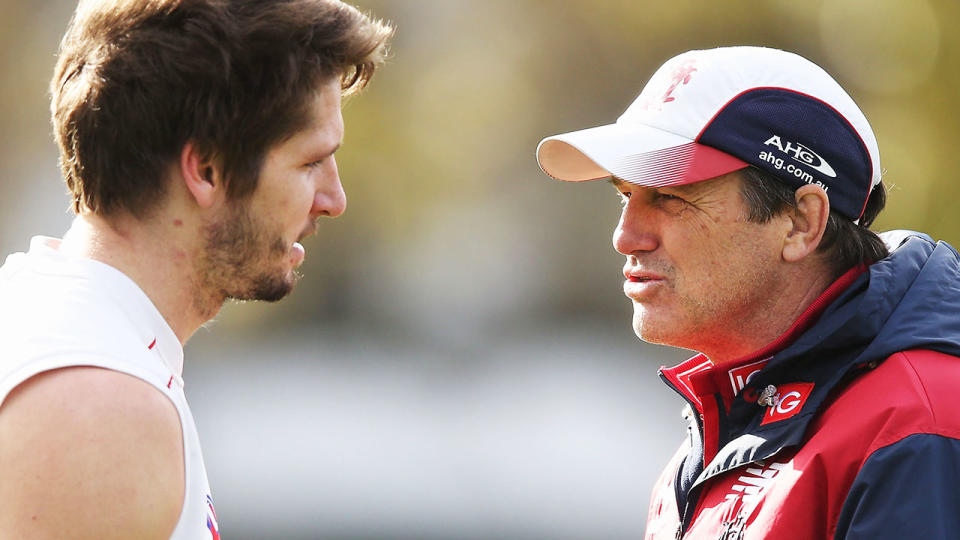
663, 334
274, 295
648, 336
269, 288
647, 329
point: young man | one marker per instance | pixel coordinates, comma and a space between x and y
197, 138
821, 403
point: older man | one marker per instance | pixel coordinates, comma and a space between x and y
197, 140
821, 403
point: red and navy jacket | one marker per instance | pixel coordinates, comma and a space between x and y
848, 426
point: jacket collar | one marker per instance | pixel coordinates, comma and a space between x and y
697, 376
742, 430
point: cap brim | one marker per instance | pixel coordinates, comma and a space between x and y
637, 154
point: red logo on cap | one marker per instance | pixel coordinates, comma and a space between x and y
789, 401
681, 75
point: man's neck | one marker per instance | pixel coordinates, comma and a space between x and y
772, 321
157, 256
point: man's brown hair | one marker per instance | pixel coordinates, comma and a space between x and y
844, 245
138, 79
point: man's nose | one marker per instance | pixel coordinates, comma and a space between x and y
329, 199
635, 231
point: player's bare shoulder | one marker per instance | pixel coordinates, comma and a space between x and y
87, 452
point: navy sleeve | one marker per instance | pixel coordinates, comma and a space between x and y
910, 489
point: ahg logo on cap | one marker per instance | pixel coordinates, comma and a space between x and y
802, 154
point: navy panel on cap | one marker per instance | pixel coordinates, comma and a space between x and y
800, 140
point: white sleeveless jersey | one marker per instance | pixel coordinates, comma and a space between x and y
58, 311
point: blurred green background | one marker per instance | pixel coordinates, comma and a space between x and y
458, 361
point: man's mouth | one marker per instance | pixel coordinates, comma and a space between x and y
640, 285
641, 277
307, 231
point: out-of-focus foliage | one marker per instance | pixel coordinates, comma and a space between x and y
451, 231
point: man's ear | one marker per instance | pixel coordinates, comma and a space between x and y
201, 176
809, 222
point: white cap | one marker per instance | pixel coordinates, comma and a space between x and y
707, 113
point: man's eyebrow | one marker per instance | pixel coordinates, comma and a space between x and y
318, 154
685, 189
335, 148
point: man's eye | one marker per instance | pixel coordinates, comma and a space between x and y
316, 163
667, 197
624, 196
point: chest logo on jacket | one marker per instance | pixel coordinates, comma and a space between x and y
787, 402
745, 496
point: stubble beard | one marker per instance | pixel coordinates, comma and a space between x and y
241, 259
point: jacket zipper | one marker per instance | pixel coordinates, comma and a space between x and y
685, 515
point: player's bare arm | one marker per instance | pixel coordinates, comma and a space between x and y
89, 453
